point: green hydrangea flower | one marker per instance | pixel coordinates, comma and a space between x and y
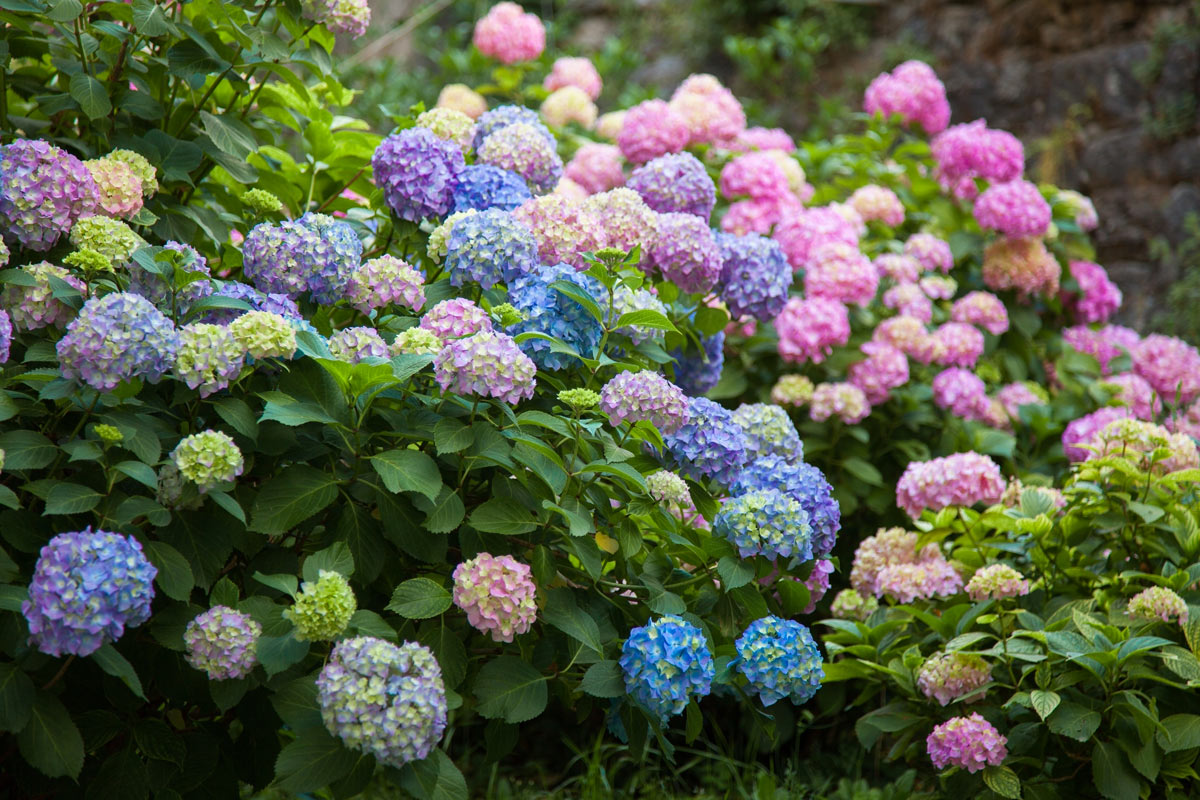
262, 202
579, 399
111, 238
507, 315
416, 341
262, 334
88, 261
109, 434
141, 167
323, 609
208, 458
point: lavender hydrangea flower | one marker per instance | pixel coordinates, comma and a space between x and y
87, 588
337, 256
710, 444
382, 699
968, 742
209, 357
948, 676
385, 280
117, 337
501, 117
684, 251
805, 483
482, 186
755, 276
521, 148
455, 318
697, 372
665, 664
355, 344
6, 332
549, 311
417, 173
280, 258
222, 642
274, 303
644, 396
488, 364
43, 191
489, 248
769, 432
35, 306
497, 593
675, 183
780, 660
766, 522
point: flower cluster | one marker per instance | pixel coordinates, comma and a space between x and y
222, 642
809, 329
1099, 298
840, 399
971, 743
263, 334
685, 252
209, 357
43, 191
698, 371
486, 364
549, 311
972, 150
850, 604
509, 34
665, 664
962, 479
34, 306
710, 443
652, 129
1015, 209
755, 276
769, 431
597, 168
949, 676
779, 660
766, 522
889, 564
672, 183
912, 91
645, 396
983, 309
1158, 603
115, 338
382, 281
802, 482
1171, 366
208, 458
497, 595
357, 343
995, 582
417, 171
524, 149
323, 607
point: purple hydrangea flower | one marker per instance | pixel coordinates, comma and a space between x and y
769, 432
43, 191
549, 311
521, 148
502, 116
355, 344
489, 248
684, 251
6, 332
806, 484
273, 303
116, 338
455, 318
87, 588
222, 642
482, 186
385, 280
35, 306
968, 742
710, 444
675, 183
698, 372
644, 396
417, 173
755, 276
338, 255
488, 364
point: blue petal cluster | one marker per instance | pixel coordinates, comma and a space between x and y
383, 699
87, 588
315, 253
766, 522
697, 372
769, 431
549, 311
666, 663
502, 116
6, 332
755, 275
417, 173
482, 186
275, 303
675, 183
780, 660
339, 255
489, 248
710, 444
117, 337
805, 483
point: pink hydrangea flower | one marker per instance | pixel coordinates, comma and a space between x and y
763, 139
962, 479
1135, 393
454, 318
118, 188
621, 218
1098, 297
844, 400
488, 364
958, 344
577, 72
1082, 207
933, 253
810, 329
1186, 421
962, 393
908, 300
712, 112
838, 271
938, 287
1170, 365
972, 150
1158, 602
755, 175
1081, 432
971, 743
913, 91
1015, 395
983, 309
497, 594
888, 563
564, 228
1022, 264
996, 582
802, 234
878, 203
909, 335
885, 368
596, 167
759, 216
900, 268
508, 34
1015, 209
651, 129
1104, 344
948, 676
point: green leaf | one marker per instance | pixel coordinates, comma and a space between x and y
188, 59
90, 95
433, 778
150, 19
16, 697
64, 10
646, 318
562, 612
157, 740
1003, 781
296, 703
864, 471
447, 645
361, 533
710, 321
1111, 773
50, 742
277, 653
118, 666
25, 449
288, 584
451, 436
443, 515
174, 572
1044, 702
1074, 721
1179, 732
238, 415
335, 558
313, 761
419, 598
408, 471
123, 774
510, 689
734, 572
291, 497
229, 134
71, 498
581, 296
142, 473
603, 679
503, 516
229, 504
287, 410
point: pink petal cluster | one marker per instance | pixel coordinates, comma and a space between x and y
118, 188
1186, 421
962, 479
839, 271
958, 344
888, 563
885, 368
983, 309
908, 335
1136, 394
497, 594
971, 743
1152, 447
564, 228
933, 253
972, 150
962, 393
802, 234
938, 287
913, 91
844, 400
759, 216
996, 582
488, 364
1015, 209
651, 129
1081, 432
1022, 264
508, 34
1170, 365
454, 318
1104, 344
900, 268
878, 203
1015, 395
712, 113
948, 676
809, 329
577, 72
1081, 207
596, 167
758, 138
1159, 602
1098, 298
908, 300
755, 175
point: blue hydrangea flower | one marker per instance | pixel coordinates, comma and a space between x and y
280, 258
675, 183
502, 116
710, 444
417, 173
87, 588
157, 288
489, 248
549, 311
769, 431
698, 372
766, 522
6, 331
666, 663
755, 276
383, 699
338, 256
780, 660
222, 641
806, 484
115, 338
482, 186
275, 303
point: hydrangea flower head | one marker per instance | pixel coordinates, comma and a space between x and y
645, 396
849, 604
455, 318
142, 168
263, 334
888, 563
802, 234
597, 167
577, 72
509, 34
948, 676
488, 248
983, 309
383, 699
933, 253
209, 357
1014, 395
1170, 365
809, 329
841, 399
111, 238
222, 642
667, 487
971, 743
1104, 344
780, 660
416, 341
885, 368
685, 252
674, 183
523, 149
1015, 209
766, 522
804, 483
697, 372
382, 281
1080, 433
995, 582
87, 588
497, 594
903, 269
115, 338
1022, 264
208, 459
323, 607
356, 344
792, 390
625, 301
549, 311
759, 216
43, 191
652, 129
1082, 207
118, 189
908, 300
417, 172
755, 175
938, 287
33, 307
1158, 602
769, 431
461, 97
1098, 298
569, 104
709, 444
624, 220
564, 229
712, 113
157, 289
282, 258
340, 16
962, 479
972, 150
482, 186
449, 124
957, 344
839, 271
912, 91
487, 364
665, 664
755, 276
878, 203
1134, 392
759, 138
